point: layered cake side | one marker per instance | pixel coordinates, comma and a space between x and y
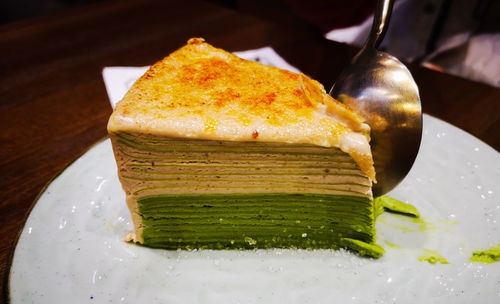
215, 151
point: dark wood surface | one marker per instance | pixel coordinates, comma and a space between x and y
53, 104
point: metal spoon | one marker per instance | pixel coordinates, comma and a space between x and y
382, 90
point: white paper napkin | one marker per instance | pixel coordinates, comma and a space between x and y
118, 80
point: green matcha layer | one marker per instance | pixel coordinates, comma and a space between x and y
186, 193
276, 220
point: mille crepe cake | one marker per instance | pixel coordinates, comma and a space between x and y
215, 151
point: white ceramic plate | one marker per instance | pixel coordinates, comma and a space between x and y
70, 250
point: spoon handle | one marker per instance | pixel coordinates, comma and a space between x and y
380, 23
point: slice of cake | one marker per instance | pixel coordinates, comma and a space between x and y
214, 151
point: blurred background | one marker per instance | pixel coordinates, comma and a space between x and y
460, 37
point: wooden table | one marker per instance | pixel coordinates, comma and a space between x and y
54, 104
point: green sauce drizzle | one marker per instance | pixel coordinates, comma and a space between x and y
433, 257
489, 256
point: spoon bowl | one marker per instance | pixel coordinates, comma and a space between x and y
380, 88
